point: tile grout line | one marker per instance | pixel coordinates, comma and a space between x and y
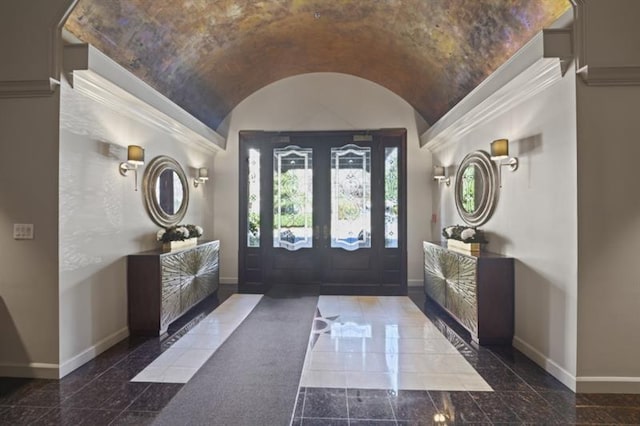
346, 395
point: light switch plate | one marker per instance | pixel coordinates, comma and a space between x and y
23, 231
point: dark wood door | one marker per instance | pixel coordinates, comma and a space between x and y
325, 208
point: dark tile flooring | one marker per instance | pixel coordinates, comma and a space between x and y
100, 393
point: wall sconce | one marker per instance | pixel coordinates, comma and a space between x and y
135, 158
203, 176
439, 174
500, 152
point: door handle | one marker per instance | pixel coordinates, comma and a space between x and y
326, 232
316, 232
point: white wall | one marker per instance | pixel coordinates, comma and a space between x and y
321, 101
608, 201
29, 187
102, 219
609, 238
29, 277
535, 220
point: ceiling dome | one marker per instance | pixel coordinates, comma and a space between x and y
207, 55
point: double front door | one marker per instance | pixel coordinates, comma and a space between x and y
323, 208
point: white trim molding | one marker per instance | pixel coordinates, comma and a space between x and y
415, 283
97, 77
610, 76
538, 65
596, 384
28, 88
91, 352
32, 370
550, 366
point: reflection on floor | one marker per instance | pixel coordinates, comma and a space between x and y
101, 393
183, 359
371, 342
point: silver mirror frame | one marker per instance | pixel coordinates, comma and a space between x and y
487, 168
151, 174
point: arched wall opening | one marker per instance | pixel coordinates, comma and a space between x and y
322, 101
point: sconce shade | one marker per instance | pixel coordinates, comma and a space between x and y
438, 172
203, 173
135, 154
500, 149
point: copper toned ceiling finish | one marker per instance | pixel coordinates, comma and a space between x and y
208, 55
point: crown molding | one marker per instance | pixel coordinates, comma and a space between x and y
580, 12
612, 75
28, 88
56, 28
538, 65
47, 85
95, 76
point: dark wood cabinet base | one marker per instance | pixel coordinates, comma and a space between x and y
476, 290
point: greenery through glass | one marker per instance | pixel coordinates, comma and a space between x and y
292, 198
391, 197
253, 210
351, 197
469, 189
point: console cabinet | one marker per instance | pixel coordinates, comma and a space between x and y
161, 286
477, 290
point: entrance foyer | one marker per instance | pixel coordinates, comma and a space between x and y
325, 208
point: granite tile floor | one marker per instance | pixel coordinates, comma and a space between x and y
101, 391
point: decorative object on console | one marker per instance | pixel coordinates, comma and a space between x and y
179, 236
440, 175
500, 152
135, 158
202, 177
467, 239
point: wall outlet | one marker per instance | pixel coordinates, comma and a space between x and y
23, 231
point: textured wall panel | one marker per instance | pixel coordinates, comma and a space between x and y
461, 293
450, 279
199, 275
188, 276
172, 267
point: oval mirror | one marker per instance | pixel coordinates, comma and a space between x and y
476, 188
166, 192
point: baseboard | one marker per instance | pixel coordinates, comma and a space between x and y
34, 370
595, 384
90, 353
234, 280
415, 283
548, 364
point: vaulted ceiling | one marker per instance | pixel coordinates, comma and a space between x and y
208, 55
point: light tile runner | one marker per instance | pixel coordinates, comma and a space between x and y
183, 359
383, 342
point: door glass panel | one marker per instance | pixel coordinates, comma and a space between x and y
292, 197
471, 191
391, 197
253, 210
351, 197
